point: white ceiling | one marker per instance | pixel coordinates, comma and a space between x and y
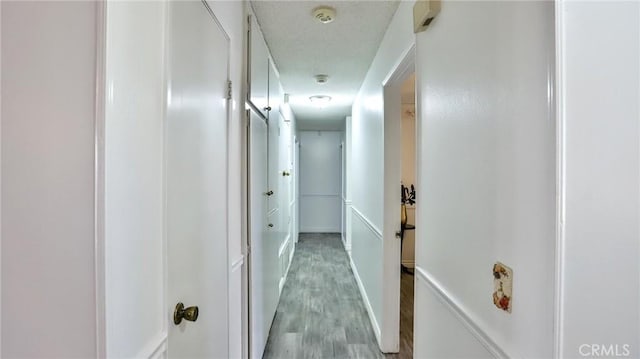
342, 49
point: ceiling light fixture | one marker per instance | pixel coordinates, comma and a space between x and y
324, 14
320, 100
321, 79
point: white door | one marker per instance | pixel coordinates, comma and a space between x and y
284, 175
196, 172
259, 255
284, 169
320, 181
273, 239
258, 68
296, 187
265, 229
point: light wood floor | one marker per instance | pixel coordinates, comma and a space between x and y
406, 318
321, 313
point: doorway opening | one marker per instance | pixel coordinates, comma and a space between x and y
399, 206
407, 213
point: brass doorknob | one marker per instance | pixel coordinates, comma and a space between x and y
190, 314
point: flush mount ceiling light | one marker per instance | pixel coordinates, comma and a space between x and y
324, 14
321, 79
320, 100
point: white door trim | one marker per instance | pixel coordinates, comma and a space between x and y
558, 323
99, 181
390, 326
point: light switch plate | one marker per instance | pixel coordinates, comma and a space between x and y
502, 286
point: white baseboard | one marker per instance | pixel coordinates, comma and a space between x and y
283, 280
284, 245
319, 230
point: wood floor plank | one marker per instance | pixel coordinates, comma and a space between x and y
321, 313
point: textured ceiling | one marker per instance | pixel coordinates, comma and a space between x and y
342, 49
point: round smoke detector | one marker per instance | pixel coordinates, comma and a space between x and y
324, 14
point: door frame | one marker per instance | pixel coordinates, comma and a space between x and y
296, 185
392, 84
99, 239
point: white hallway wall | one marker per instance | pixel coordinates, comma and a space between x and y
367, 164
599, 119
458, 149
598, 160
487, 179
320, 181
48, 126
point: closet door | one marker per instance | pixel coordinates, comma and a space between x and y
274, 227
258, 69
196, 187
259, 255
276, 139
275, 94
264, 227
284, 185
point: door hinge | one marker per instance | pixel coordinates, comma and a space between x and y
229, 90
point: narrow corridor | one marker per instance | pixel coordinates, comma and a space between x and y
321, 313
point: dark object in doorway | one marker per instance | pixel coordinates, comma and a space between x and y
407, 197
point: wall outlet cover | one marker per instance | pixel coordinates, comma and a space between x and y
502, 286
